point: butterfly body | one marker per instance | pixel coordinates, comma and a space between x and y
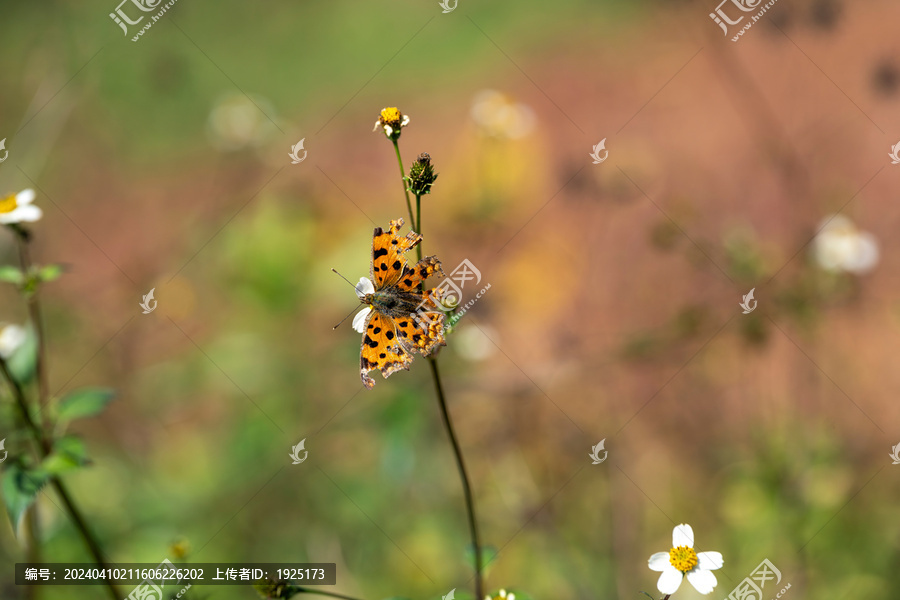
400, 317
393, 303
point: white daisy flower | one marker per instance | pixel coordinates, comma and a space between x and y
363, 289
682, 560
18, 208
840, 246
11, 338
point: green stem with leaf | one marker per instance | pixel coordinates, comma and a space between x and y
45, 450
43, 441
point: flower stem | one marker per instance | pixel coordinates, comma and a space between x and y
32, 521
45, 446
89, 539
442, 402
419, 227
23, 408
461, 466
34, 313
403, 183
37, 429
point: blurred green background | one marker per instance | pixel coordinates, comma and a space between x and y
613, 310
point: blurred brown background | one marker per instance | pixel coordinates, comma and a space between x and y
613, 310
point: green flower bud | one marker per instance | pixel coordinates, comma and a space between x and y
421, 175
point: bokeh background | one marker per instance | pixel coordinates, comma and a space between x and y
612, 314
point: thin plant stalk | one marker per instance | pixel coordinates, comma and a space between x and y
74, 513
442, 403
37, 429
403, 182
86, 534
34, 313
419, 225
33, 553
32, 521
463, 475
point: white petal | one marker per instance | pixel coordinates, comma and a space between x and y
669, 580
27, 214
364, 287
659, 561
405, 121
683, 535
25, 197
388, 130
704, 581
710, 561
865, 254
11, 337
359, 321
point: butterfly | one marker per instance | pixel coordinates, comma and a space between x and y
400, 318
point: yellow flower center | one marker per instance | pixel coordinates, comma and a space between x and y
391, 116
8, 204
683, 558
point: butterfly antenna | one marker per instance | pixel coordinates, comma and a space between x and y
344, 278
352, 311
344, 319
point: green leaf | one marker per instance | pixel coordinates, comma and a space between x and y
85, 402
488, 554
50, 272
10, 274
23, 362
20, 488
68, 453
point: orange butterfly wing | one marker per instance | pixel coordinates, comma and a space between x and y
381, 349
388, 254
413, 277
423, 334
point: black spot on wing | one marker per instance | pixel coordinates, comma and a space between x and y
397, 264
389, 335
370, 342
379, 252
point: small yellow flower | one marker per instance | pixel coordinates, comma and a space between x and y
180, 549
391, 120
17, 208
